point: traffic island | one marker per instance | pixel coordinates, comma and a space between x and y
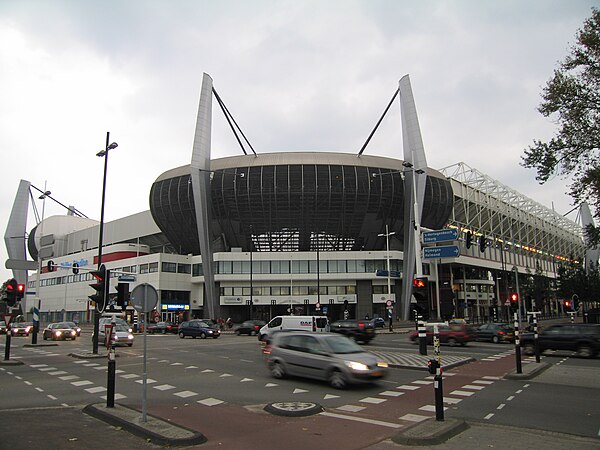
293, 409
11, 362
89, 355
42, 344
430, 432
156, 430
529, 371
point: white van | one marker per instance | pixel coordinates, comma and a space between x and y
315, 324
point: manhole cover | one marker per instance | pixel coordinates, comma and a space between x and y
293, 408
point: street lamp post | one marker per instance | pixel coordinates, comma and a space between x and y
387, 235
97, 312
38, 301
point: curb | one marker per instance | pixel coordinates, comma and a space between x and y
156, 430
43, 344
536, 369
430, 432
11, 362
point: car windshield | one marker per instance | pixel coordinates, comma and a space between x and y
342, 345
70, 324
121, 327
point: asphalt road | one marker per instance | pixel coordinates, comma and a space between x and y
208, 377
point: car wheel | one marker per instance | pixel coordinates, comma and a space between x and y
129, 345
45, 337
585, 351
202, 336
277, 370
337, 380
164, 331
252, 333
237, 333
495, 339
529, 349
181, 335
452, 342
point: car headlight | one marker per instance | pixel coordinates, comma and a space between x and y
58, 333
356, 365
130, 336
210, 332
382, 364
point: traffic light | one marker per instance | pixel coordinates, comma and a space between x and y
123, 295
575, 302
568, 304
469, 239
420, 292
514, 297
102, 284
432, 366
11, 292
482, 243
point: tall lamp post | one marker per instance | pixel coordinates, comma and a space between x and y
387, 235
37, 305
97, 312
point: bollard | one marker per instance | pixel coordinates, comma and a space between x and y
437, 379
422, 337
517, 345
110, 383
7, 346
536, 339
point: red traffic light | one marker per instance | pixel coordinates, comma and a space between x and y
567, 303
514, 297
419, 282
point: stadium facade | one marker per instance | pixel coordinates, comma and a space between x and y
302, 232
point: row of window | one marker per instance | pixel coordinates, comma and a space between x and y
285, 290
239, 267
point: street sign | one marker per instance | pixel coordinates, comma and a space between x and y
445, 251
384, 273
126, 278
447, 234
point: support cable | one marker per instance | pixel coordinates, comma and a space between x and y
229, 117
378, 122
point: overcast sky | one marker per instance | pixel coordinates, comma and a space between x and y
296, 75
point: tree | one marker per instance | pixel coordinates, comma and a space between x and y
572, 95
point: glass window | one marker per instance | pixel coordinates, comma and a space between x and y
236, 267
169, 267
197, 270
351, 266
265, 267
143, 268
225, 267
300, 290
275, 290
350, 289
239, 291
183, 268
284, 290
331, 290
340, 290
312, 290
153, 267
378, 289
371, 266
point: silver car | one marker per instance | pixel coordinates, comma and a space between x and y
330, 357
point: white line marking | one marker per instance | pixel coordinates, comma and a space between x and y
164, 387
28, 383
51, 397
39, 389
81, 383
472, 386
361, 419
185, 394
351, 408
373, 400
510, 398
463, 393
519, 391
414, 417
501, 405
68, 377
95, 390
489, 416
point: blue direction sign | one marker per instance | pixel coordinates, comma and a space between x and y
445, 251
384, 273
447, 234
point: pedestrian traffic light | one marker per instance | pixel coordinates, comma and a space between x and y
514, 297
123, 295
101, 285
432, 366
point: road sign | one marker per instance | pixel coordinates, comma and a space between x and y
144, 298
444, 251
126, 278
447, 234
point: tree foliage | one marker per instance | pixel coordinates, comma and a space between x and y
572, 97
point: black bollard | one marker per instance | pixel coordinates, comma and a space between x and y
517, 345
422, 337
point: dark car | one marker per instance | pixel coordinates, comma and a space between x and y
495, 332
581, 338
162, 327
21, 328
59, 331
198, 328
250, 327
323, 356
449, 334
2, 327
359, 330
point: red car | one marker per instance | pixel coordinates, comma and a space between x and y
449, 334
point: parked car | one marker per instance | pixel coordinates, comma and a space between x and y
121, 334
162, 327
495, 332
359, 330
379, 322
322, 356
59, 331
250, 327
449, 334
581, 338
75, 327
2, 327
198, 328
21, 328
